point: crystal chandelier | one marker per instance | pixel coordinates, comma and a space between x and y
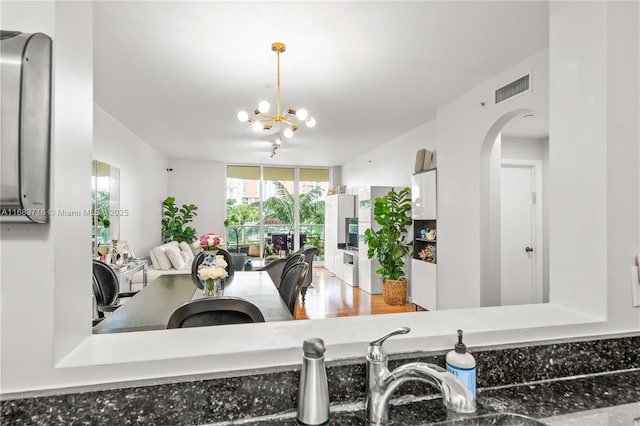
287, 121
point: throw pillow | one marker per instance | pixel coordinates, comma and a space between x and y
163, 261
186, 252
175, 258
154, 260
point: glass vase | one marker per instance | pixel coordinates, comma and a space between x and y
213, 288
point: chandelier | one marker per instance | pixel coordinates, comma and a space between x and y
287, 121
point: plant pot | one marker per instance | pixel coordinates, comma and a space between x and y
395, 291
238, 259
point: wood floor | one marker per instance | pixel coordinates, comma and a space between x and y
330, 297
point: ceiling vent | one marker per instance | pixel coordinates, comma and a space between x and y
521, 85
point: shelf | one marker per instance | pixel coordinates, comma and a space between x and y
426, 241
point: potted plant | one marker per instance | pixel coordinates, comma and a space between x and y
235, 221
389, 244
174, 220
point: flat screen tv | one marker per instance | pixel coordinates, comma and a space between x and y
352, 231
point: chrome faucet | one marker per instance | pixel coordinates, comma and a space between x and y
381, 383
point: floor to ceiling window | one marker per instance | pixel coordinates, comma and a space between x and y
282, 208
313, 187
243, 201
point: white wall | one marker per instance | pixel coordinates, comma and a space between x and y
463, 126
576, 135
46, 269
143, 180
391, 164
622, 159
204, 184
545, 221
490, 239
520, 148
55, 349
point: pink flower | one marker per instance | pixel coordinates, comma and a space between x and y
209, 241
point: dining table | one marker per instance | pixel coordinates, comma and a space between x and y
151, 307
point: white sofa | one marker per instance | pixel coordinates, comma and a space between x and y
166, 259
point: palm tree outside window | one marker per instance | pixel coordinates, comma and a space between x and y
292, 210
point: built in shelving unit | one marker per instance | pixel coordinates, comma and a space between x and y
423, 281
425, 247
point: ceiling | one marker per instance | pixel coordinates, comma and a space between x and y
177, 73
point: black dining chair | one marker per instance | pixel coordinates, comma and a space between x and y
309, 253
291, 285
198, 260
277, 268
215, 311
293, 259
106, 288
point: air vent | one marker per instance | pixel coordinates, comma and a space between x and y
512, 89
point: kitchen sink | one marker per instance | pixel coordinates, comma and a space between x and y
497, 419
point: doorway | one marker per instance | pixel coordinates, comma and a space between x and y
518, 143
520, 229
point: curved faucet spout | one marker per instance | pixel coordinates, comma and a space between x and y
455, 395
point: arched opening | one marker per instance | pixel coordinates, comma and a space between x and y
513, 226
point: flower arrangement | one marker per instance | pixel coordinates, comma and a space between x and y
211, 276
220, 262
209, 242
212, 273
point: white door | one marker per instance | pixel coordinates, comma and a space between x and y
518, 280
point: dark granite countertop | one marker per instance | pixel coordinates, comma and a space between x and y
535, 399
541, 380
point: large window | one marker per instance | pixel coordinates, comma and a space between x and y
281, 208
313, 187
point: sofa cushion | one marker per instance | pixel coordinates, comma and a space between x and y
163, 260
153, 258
152, 274
176, 259
186, 252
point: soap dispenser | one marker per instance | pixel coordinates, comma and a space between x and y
313, 392
462, 364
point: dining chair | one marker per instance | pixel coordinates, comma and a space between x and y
309, 253
215, 311
197, 260
291, 285
106, 287
277, 268
293, 259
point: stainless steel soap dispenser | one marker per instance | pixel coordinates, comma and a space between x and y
25, 130
313, 392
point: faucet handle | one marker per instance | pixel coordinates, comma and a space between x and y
375, 351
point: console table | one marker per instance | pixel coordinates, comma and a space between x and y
124, 273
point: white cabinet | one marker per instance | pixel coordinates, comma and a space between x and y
350, 267
338, 207
368, 280
424, 265
423, 284
423, 195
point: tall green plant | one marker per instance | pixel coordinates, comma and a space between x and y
389, 244
237, 216
174, 220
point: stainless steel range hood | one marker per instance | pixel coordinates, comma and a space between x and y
25, 104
